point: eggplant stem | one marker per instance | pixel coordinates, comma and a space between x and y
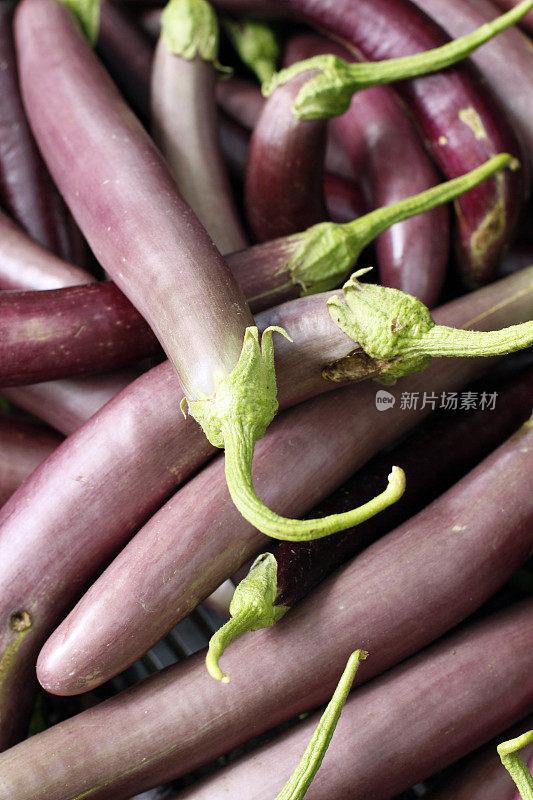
252, 607
329, 93
444, 341
301, 779
239, 446
327, 251
515, 766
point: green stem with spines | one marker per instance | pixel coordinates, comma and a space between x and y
329, 93
239, 448
327, 251
515, 766
301, 779
392, 326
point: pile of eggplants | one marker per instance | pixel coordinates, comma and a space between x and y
154, 210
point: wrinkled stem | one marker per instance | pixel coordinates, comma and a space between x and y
366, 228
515, 766
234, 627
443, 341
239, 446
301, 779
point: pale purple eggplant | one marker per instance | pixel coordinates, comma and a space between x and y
179, 719
197, 540
125, 201
405, 725
461, 122
25, 264
184, 125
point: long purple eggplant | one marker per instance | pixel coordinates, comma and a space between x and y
285, 168
243, 102
184, 124
64, 333
181, 718
391, 163
504, 62
23, 446
304, 458
26, 191
139, 437
461, 122
122, 195
407, 724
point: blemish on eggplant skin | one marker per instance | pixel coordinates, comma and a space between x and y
443, 140
20, 621
458, 528
471, 118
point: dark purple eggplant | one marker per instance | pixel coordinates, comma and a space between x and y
26, 191
127, 53
461, 122
285, 167
63, 332
391, 163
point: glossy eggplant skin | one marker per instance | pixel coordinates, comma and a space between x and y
506, 61
285, 168
459, 119
26, 190
391, 163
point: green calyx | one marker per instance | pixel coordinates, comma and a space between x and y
189, 29
328, 251
256, 44
301, 779
252, 608
87, 15
328, 94
246, 396
515, 765
237, 415
392, 326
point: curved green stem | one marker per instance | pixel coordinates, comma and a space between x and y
327, 251
301, 779
239, 446
329, 93
515, 766
87, 15
252, 607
